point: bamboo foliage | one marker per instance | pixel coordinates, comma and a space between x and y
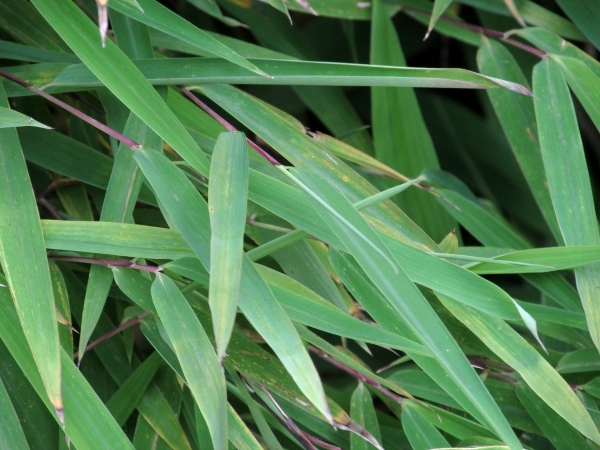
261, 234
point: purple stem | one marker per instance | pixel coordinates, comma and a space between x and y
226, 124
482, 30
107, 262
357, 375
99, 125
111, 333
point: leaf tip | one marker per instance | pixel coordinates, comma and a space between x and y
60, 412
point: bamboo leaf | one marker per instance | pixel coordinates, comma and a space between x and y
421, 433
568, 178
584, 82
517, 116
121, 195
23, 258
534, 369
363, 413
10, 119
174, 71
239, 434
411, 309
125, 400
585, 14
561, 434
227, 197
196, 355
544, 260
157, 16
439, 7
189, 211
108, 65
400, 135
11, 433
88, 424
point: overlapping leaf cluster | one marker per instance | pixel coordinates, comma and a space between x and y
418, 272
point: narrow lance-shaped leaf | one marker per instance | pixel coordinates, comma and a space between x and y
402, 140
535, 370
176, 71
568, 178
188, 212
409, 307
196, 356
88, 424
421, 433
109, 65
11, 433
227, 197
586, 15
363, 413
561, 434
438, 9
585, 83
121, 194
155, 15
517, 116
10, 118
24, 262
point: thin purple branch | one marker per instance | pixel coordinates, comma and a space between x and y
111, 333
357, 375
99, 125
226, 124
485, 31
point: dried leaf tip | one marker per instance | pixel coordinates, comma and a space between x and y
60, 413
102, 19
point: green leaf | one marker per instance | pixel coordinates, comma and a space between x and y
306, 307
227, 197
492, 230
363, 413
535, 370
552, 43
585, 14
26, 25
196, 356
119, 201
278, 331
554, 427
439, 7
239, 434
256, 411
583, 360
189, 212
125, 400
175, 71
542, 260
23, 258
517, 116
400, 135
409, 309
584, 82
10, 119
303, 152
568, 178
11, 433
108, 64
115, 239
88, 424
160, 17
421, 434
